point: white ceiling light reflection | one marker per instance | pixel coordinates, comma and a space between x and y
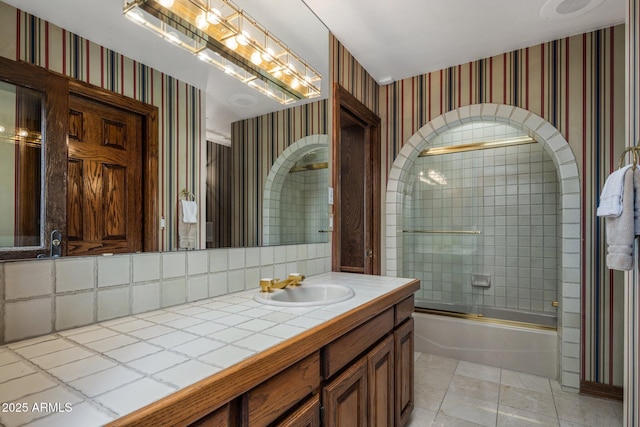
433, 177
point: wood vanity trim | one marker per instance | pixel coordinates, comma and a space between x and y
348, 347
196, 401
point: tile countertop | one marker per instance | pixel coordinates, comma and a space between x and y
95, 374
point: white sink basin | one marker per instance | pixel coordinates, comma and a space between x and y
306, 295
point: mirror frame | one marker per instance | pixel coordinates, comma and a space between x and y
55, 89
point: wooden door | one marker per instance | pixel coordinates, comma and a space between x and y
345, 398
381, 384
104, 187
403, 337
357, 189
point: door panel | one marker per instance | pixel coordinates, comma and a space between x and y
105, 167
352, 199
345, 398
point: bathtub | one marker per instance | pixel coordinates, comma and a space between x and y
523, 349
547, 320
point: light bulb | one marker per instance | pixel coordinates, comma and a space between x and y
256, 58
242, 38
277, 73
231, 43
166, 3
23, 133
268, 54
295, 83
2, 129
214, 16
202, 22
228, 69
204, 57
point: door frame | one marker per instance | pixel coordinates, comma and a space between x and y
343, 101
149, 115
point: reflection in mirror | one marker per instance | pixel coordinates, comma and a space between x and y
20, 166
295, 196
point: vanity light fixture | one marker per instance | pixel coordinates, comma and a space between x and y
221, 34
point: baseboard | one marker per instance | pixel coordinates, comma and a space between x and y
606, 391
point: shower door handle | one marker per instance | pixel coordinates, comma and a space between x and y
368, 253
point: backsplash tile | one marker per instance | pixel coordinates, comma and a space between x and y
146, 267
75, 274
113, 303
28, 279
72, 292
173, 292
145, 297
74, 310
173, 265
114, 270
31, 318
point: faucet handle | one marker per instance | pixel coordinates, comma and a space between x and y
265, 285
295, 278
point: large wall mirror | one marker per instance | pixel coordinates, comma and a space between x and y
35, 115
20, 166
32, 158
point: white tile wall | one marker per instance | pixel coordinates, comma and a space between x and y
30, 318
75, 274
24, 281
510, 195
114, 270
72, 292
74, 310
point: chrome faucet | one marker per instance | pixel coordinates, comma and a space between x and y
268, 285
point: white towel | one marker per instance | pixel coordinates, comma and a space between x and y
636, 211
620, 229
611, 199
187, 231
189, 212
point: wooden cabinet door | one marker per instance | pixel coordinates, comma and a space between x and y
308, 415
345, 398
104, 186
381, 384
403, 337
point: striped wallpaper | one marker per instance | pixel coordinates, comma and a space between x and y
180, 106
631, 280
576, 85
256, 143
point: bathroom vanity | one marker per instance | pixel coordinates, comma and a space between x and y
349, 363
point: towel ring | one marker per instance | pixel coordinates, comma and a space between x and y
187, 195
634, 153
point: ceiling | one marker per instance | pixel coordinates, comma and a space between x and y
392, 40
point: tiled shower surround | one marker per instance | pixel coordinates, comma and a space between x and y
303, 205
42, 296
509, 196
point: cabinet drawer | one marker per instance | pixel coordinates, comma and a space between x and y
271, 399
404, 310
345, 349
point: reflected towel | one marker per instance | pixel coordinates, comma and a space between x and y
187, 232
189, 212
636, 211
611, 199
620, 229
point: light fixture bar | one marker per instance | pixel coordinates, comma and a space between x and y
224, 36
477, 146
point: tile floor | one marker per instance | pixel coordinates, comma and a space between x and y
454, 393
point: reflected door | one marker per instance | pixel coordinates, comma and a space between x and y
105, 192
